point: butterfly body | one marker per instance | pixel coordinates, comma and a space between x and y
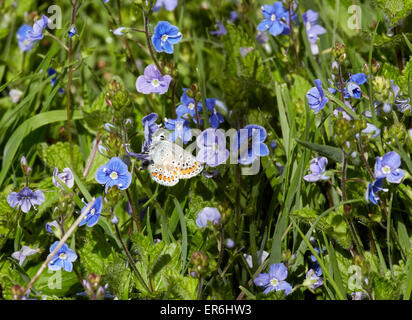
170, 162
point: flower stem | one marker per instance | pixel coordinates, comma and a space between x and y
60, 244
58, 40
92, 156
149, 44
129, 257
133, 211
69, 83
199, 288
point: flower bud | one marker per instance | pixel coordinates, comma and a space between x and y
200, 261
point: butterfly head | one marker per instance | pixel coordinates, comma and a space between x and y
159, 136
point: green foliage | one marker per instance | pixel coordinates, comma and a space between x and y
58, 156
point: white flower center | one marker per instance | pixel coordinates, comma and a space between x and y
386, 169
92, 212
114, 175
308, 25
191, 106
62, 256
216, 147
273, 17
155, 83
274, 282
179, 126
164, 37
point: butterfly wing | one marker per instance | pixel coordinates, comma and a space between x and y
171, 163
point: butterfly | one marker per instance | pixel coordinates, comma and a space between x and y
170, 162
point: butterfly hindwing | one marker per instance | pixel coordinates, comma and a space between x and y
171, 163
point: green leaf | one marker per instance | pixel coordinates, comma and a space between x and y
333, 153
24, 129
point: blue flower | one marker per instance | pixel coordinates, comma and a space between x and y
36, 34
62, 259
165, 36
114, 173
212, 144
180, 129
229, 243
318, 170
49, 226
25, 198
22, 35
187, 108
150, 127
152, 81
92, 217
250, 144
24, 252
72, 31
388, 167
221, 31
316, 97
274, 280
353, 85
66, 176
370, 128
233, 16
371, 194
312, 280
169, 5
53, 80
207, 215
273, 144
275, 19
313, 30
216, 118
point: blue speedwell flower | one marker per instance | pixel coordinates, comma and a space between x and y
92, 217
169, 5
150, 127
212, 144
216, 118
22, 35
165, 36
207, 215
66, 176
275, 279
114, 173
371, 194
25, 198
62, 259
318, 169
353, 86
180, 129
187, 108
24, 252
152, 81
316, 97
313, 30
275, 19
36, 34
312, 280
72, 31
49, 226
221, 31
370, 128
388, 167
53, 80
250, 144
